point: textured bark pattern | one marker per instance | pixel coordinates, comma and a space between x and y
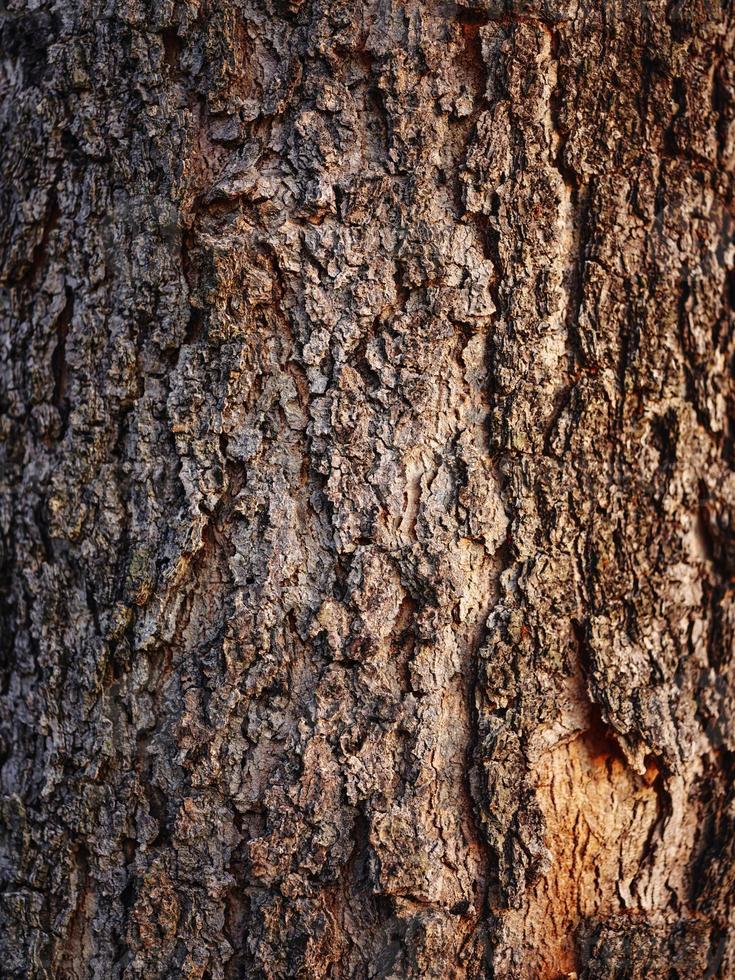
368, 505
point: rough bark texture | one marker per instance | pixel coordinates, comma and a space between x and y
368, 507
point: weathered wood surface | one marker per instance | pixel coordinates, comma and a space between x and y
368, 495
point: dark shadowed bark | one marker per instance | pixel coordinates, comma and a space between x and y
368, 493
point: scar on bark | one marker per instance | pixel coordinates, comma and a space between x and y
600, 817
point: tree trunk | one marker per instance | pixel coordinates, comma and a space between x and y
368, 508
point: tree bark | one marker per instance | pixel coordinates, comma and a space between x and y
368, 504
